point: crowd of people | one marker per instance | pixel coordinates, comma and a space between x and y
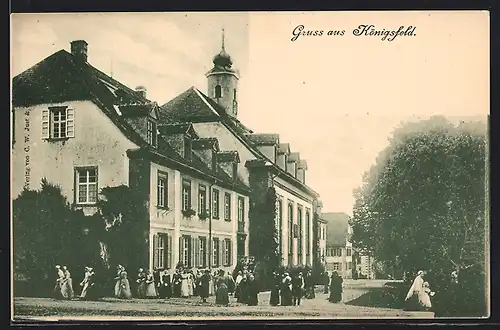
183, 283
287, 290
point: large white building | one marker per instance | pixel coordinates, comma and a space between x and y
199, 167
83, 130
265, 160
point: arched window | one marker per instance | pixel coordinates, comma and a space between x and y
218, 91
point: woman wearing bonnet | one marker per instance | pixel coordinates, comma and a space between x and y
427, 293
416, 294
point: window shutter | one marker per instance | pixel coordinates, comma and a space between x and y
214, 251
169, 252
197, 259
155, 250
205, 252
45, 124
165, 251
221, 252
70, 122
226, 253
181, 249
230, 252
192, 259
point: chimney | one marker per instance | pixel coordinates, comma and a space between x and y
141, 90
79, 50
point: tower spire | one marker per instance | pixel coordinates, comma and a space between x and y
223, 46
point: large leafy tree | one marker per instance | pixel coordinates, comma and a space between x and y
123, 229
422, 205
264, 236
46, 232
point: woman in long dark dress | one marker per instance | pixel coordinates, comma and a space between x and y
176, 283
141, 284
243, 289
222, 295
204, 286
166, 287
253, 292
335, 288
275, 290
310, 294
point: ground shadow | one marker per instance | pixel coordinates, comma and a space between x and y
388, 296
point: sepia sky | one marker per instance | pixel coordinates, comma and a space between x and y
335, 99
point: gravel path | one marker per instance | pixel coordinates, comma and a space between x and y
192, 308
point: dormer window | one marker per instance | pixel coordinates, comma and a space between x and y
218, 91
152, 133
214, 160
187, 148
235, 171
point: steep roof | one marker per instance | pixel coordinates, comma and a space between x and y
337, 224
60, 78
264, 139
194, 106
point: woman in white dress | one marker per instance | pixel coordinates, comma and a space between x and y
119, 270
414, 295
60, 289
150, 286
191, 283
85, 283
426, 295
184, 284
68, 283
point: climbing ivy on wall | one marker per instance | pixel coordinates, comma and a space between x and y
263, 233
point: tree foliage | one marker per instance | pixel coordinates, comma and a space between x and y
123, 227
263, 232
264, 237
46, 232
422, 205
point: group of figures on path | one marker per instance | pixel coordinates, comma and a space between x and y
160, 284
419, 295
286, 290
289, 290
184, 283
64, 284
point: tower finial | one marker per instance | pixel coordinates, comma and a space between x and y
223, 46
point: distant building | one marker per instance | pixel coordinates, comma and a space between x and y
322, 232
365, 267
338, 247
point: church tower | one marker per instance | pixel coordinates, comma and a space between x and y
223, 82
